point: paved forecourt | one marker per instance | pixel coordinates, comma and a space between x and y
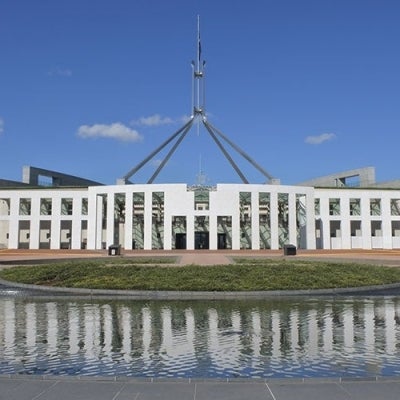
70, 388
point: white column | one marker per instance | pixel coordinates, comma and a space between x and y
213, 229
235, 222
110, 219
366, 223
325, 222
190, 232
55, 221
76, 231
310, 228
167, 232
99, 220
386, 223
148, 218
274, 221
14, 222
93, 221
34, 228
128, 220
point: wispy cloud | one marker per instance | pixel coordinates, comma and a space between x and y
114, 131
58, 71
1, 125
318, 139
156, 162
153, 120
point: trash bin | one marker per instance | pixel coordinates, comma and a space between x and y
114, 250
289, 250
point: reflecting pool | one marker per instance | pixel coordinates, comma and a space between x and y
293, 337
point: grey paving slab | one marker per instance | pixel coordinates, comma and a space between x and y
232, 391
79, 390
309, 391
154, 391
373, 390
19, 389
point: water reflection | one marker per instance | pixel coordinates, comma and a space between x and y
285, 338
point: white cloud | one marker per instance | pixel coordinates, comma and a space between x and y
156, 162
58, 71
153, 120
325, 137
1, 125
185, 118
115, 131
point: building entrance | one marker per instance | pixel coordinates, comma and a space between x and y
180, 241
201, 240
221, 241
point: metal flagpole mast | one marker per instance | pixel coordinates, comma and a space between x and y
198, 74
198, 113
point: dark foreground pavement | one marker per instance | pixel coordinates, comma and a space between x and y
69, 388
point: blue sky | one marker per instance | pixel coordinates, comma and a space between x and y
307, 88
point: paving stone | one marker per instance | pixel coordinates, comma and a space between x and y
232, 391
373, 391
154, 391
309, 391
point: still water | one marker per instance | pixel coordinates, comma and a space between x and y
302, 337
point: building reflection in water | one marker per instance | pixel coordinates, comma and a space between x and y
279, 338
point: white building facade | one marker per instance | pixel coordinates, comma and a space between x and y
158, 216
177, 216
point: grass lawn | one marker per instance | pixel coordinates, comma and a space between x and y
245, 275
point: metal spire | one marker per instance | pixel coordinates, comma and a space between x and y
198, 74
198, 114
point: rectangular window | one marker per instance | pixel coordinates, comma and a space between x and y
335, 228
157, 241
376, 228
66, 206
334, 206
4, 207
355, 206
317, 206
138, 220
245, 206
396, 228
355, 228
375, 206
85, 206
395, 207
245, 220
45, 206
25, 205
201, 198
